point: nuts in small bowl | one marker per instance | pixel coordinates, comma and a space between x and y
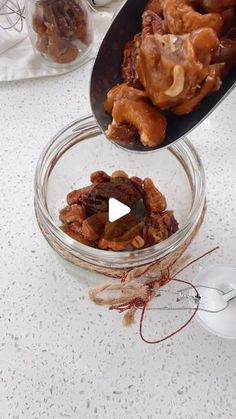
86, 217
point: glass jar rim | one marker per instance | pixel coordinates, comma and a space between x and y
89, 129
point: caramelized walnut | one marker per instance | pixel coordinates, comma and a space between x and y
123, 132
205, 43
78, 195
166, 218
153, 199
86, 218
120, 234
120, 188
93, 227
119, 174
159, 227
226, 55
181, 18
122, 242
119, 227
72, 213
229, 19
216, 5
173, 68
61, 22
60, 50
99, 176
212, 83
138, 183
153, 235
155, 6
138, 242
71, 19
64, 22
151, 24
129, 73
74, 231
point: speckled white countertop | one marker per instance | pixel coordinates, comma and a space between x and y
63, 357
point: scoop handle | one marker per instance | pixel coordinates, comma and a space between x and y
229, 295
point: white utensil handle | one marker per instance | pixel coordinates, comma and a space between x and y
229, 295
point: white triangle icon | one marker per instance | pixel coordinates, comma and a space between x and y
117, 210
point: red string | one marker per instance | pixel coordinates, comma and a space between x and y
140, 303
176, 331
136, 302
184, 282
197, 259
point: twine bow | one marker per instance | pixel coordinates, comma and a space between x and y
137, 287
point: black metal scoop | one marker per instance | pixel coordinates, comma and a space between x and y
107, 72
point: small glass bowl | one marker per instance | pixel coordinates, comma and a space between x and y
80, 149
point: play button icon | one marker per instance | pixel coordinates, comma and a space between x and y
117, 210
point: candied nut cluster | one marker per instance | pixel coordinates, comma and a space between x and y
86, 219
184, 50
58, 24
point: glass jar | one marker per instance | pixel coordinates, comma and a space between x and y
61, 31
80, 149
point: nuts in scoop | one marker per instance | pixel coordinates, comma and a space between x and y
182, 53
